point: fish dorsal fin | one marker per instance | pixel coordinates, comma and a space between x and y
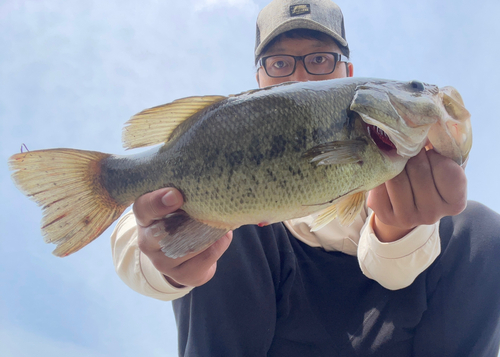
346, 209
155, 125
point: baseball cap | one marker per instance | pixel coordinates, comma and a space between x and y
281, 16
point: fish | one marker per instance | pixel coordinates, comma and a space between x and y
259, 157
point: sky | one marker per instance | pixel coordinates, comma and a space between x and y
72, 72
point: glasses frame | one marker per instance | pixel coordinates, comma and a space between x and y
337, 57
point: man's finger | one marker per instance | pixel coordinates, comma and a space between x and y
450, 181
425, 193
380, 203
401, 194
156, 205
194, 269
150, 237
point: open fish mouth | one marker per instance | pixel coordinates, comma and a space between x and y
380, 138
397, 124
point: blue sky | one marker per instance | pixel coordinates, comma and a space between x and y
72, 72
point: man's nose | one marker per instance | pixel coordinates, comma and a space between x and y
300, 74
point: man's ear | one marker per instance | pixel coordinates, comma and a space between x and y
349, 69
257, 78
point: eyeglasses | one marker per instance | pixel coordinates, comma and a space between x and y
316, 63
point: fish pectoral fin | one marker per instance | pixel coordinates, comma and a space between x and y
336, 152
346, 209
155, 125
187, 235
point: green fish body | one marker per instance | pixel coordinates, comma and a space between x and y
259, 157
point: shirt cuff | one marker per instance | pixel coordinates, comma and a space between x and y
395, 265
402, 247
157, 280
134, 268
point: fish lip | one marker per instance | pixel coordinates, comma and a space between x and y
405, 147
408, 147
456, 125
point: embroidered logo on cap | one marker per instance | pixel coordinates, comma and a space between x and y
301, 9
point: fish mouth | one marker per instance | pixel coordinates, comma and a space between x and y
380, 138
452, 135
387, 123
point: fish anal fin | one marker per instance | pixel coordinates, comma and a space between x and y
187, 235
155, 125
336, 152
345, 208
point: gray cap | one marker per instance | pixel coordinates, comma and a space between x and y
284, 15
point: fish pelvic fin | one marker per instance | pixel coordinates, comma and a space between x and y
66, 184
336, 152
346, 209
187, 235
155, 125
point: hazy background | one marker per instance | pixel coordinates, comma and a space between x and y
72, 72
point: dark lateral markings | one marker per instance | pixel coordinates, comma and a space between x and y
255, 152
300, 140
259, 150
278, 147
234, 158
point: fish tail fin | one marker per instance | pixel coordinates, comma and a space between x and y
66, 183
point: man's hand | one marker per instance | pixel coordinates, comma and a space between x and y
194, 269
430, 187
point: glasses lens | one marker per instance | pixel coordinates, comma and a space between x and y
320, 63
279, 66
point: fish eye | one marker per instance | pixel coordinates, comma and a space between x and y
417, 85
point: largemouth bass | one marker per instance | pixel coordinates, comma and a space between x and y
260, 157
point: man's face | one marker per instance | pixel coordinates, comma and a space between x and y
300, 47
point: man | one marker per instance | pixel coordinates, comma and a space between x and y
379, 287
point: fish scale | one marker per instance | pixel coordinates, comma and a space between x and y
259, 157
268, 178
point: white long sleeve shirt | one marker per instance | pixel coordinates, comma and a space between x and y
393, 265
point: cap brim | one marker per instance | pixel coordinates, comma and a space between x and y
298, 23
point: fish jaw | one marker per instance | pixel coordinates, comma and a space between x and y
414, 115
451, 136
396, 115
